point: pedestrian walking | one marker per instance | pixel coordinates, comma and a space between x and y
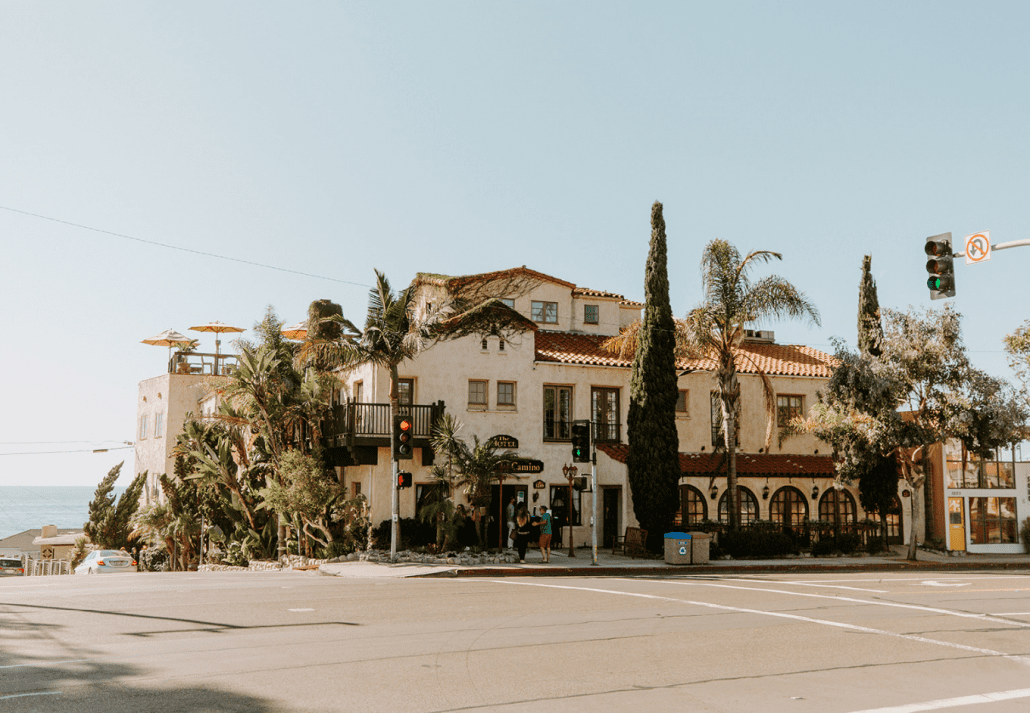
545, 534
522, 534
510, 518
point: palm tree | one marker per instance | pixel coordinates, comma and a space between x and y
715, 330
474, 468
392, 334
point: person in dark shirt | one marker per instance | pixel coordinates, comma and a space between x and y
522, 533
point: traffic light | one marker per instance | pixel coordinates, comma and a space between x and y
403, 480
940, 267
402, 428
581, 441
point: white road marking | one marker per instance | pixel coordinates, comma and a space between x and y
953, 702
300, 610
814, 584
932, 583
779, 615
881, 580
870, 602
24, 695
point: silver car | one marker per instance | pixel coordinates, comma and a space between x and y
106, 561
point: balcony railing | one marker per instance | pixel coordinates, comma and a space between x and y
197, 363
354, 422
601, 431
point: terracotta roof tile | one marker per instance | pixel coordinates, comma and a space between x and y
773, 359
587, 292
567, 348
748, 464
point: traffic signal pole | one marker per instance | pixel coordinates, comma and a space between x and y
593, 517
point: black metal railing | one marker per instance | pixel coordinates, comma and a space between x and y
360, 420
197, 363
601, 431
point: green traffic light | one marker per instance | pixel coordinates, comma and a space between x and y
934, 283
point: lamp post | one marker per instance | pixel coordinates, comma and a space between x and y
570, 473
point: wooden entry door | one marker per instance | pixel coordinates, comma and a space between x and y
956, 525
610, 506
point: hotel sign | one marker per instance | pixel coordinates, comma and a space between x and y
525, 465
504, 442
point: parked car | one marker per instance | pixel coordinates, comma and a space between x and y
10, 565
106, 561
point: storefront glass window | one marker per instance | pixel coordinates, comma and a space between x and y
992, 521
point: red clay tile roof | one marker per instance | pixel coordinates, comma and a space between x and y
761, 464
568, 348
587, 292
773, 359
452, 282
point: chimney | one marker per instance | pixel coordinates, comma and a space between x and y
49, 531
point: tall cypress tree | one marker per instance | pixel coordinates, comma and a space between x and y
870, 329
653, 458
878, 481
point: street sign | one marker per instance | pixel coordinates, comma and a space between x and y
978, 247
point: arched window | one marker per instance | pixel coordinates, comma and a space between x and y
789, 508
693, 505
748, 506
837, 503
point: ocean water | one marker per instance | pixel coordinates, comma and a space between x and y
26, 507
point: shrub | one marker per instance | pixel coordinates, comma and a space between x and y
844, 543
875, 546
414, 533
824, 547
153, 559
1025, 532
757, 543
234, 555
848, 542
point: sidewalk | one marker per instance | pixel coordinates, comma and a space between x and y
609, 565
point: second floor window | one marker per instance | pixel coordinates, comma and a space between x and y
405, 395
683, 402
605, 414
143, 426
788, 408
506, 393
159, 425
557, 413
545, 312
591, 314
477, 393
507, 302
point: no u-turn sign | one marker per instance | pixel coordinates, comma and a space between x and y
978, 247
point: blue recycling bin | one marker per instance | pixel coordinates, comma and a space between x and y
677, 548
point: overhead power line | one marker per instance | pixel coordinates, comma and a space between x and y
182, 249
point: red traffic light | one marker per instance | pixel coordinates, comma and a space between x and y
404, 424
403, 480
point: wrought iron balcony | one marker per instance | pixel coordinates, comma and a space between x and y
370, 424
601, 431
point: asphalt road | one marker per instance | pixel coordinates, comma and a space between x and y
261, 642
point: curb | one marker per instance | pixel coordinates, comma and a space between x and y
608, 571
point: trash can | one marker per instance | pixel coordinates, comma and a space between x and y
677, 548
699, 547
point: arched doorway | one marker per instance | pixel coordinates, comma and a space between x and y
748, 506
693, 506
789, 509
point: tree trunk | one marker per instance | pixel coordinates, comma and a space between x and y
912, 526
729, 393
395, 525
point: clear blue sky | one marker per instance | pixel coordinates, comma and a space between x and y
333, 138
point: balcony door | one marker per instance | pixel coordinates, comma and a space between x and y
605, 414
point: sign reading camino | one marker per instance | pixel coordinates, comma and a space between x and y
526, 465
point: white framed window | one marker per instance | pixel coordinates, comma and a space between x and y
508, 303
591, 314
545, 312
159, 425
788, 408
142, 427
506, 394
477, 393
683, 403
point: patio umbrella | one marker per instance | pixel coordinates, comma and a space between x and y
168, 338
218, 328
297, 331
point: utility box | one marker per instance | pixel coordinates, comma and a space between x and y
678, 548
699, 547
